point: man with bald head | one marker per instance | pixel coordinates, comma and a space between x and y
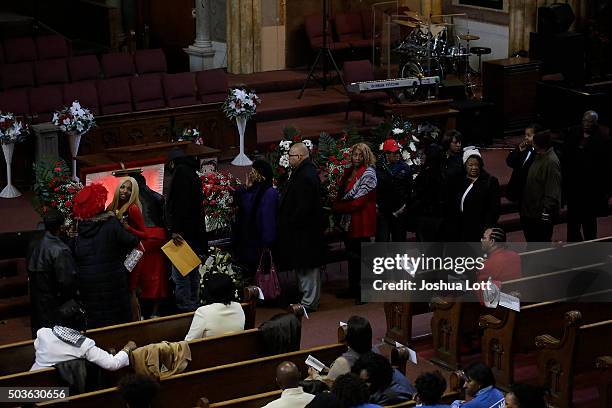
586, 168
288, 379
300, 227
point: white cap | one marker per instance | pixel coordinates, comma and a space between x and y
470, 151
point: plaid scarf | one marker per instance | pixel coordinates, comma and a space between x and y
365, 184
68, 335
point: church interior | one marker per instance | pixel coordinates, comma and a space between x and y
157, 77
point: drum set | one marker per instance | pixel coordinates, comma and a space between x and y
433, 49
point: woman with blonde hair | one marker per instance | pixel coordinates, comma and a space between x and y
127, 208
357, 204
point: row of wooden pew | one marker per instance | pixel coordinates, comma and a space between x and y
565, 333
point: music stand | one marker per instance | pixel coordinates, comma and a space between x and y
325, 53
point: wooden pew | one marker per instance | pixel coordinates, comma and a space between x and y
514, 332
218, 383
454, 317
19, 357
604, 365
560, 360
259, 400
399, 315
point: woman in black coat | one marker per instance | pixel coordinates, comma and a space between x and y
477, 198
100, 248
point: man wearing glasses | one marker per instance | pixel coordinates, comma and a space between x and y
300, 235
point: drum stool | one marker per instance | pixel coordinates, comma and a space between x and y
480, 51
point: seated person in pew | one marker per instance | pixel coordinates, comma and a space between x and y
430, 388
387, 385
288, 379
138, 391
358, 340
221, 314
352, 392
480, 386
502, 264
67, 341
525, 396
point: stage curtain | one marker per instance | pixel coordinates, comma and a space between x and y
523, 20
243, 36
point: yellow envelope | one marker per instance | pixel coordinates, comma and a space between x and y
181, 256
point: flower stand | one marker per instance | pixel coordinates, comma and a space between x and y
75, 142
9, 191
241, 159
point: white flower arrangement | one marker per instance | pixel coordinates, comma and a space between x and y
397, 131
285, 145
74, 118
191, 134
11, 130
219, 261
240, 103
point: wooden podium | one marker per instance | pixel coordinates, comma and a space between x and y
419, 111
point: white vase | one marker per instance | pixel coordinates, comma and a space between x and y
75, 142
241, 159
9, 191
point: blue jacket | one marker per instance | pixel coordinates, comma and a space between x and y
254, 230
488, 397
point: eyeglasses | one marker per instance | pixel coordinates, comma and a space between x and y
294, 155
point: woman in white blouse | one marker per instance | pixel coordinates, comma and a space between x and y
66, 341
221, 315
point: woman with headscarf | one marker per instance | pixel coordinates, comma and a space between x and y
255, 227
477, 199
100, 247
150, 273
357, 204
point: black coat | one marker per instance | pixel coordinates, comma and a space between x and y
392, 189
99, 251
184, 212
520, 164
300, 216
52, 276
586, 166
481, 207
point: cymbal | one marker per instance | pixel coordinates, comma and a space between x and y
413, 14
468, 37
406, 23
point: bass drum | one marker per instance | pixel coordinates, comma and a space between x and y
413, 69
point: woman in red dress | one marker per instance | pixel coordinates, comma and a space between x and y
150, 273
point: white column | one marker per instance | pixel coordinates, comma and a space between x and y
201, 52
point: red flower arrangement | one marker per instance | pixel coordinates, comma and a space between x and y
219, 208
54, 188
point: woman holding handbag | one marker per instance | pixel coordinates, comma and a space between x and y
255, 227
146, 274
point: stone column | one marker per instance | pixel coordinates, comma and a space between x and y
201, 52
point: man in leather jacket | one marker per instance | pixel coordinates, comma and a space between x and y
52, 273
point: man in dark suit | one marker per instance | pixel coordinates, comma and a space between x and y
185, 222
586, 165
520, 160
300, 230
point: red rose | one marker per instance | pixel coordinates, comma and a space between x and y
281, 170
296, 138
332, 158
272, 147
53, 203
68, 203
58, 169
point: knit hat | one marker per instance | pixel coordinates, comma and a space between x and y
264, 169
391, 146
89, 201
470, 151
